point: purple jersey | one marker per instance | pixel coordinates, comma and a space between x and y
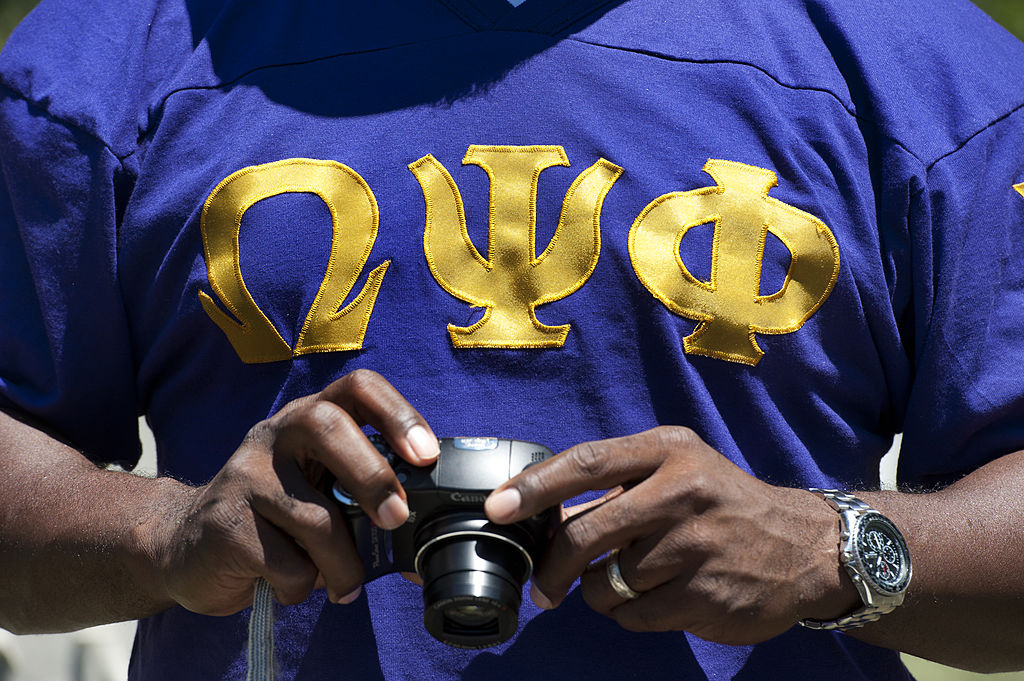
789, 226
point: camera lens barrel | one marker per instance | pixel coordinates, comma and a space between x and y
473, 573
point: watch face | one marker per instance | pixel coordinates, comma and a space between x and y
883, 553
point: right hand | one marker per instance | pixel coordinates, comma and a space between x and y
265, 514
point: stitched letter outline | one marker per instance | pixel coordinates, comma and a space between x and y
513, 280
354, 218
729, 307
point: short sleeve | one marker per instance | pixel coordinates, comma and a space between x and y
65, 353
966, 406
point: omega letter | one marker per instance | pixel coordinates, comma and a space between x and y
354, 218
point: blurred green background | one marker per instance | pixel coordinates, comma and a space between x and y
1010, 13
11, 12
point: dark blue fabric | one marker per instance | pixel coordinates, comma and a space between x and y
898, 126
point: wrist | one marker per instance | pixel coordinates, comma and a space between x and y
154, 536
831, 593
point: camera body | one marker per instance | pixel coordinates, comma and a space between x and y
473, 570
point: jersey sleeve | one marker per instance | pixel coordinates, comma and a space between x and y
966, 405
66, 361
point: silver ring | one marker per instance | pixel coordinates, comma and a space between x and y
615, 578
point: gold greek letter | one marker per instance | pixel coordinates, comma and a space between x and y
513, 280
354, 219
729, 307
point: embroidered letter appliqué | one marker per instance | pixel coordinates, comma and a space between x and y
1019, 188
513, 280
354, 217
729, 307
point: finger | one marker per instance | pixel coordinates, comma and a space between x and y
317, 526
639, 567
583, 468
326, 433
665, 608
570, 511
585, 537
656, 610
372, 400
287, 568
413, 577
596, 588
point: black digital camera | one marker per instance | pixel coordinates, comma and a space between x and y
473, 570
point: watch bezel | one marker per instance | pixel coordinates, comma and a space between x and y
861, 525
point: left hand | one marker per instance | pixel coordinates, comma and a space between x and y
711, 549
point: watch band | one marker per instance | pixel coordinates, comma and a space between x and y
843, 501
856, 619
876, 604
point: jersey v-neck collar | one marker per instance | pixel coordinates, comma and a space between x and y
542, 16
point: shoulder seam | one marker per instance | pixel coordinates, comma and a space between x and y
789, 86
70, 125
927, 166
994, 122
158, 104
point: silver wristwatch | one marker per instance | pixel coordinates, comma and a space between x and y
874, 554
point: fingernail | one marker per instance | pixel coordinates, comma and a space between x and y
504, 504
539, 599
424, 446
392, 512
349, 598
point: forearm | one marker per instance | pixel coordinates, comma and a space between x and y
76, 544
965, 606
82, 546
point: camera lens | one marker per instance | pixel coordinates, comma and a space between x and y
471, 614
470, 622
473, 573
